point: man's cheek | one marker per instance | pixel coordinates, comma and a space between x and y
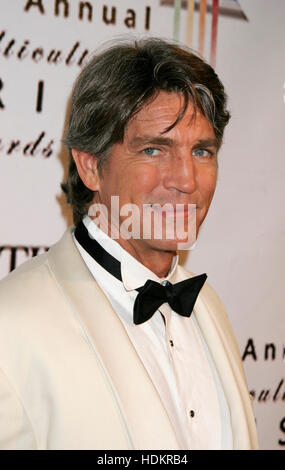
208, 186
145, 178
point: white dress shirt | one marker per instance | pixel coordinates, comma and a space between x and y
172, 349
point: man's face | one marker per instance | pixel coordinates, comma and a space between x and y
152, 166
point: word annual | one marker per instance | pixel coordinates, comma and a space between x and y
84, 11
269, 352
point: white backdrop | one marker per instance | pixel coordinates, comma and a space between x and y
43, 43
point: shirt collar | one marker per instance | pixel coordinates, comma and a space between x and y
134, 274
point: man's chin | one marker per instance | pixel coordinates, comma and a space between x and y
173, 245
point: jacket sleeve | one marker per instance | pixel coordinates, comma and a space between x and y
16, 432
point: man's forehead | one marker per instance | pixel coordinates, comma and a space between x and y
165, 105
163, 111
156, 121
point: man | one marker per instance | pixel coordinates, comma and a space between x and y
100, 348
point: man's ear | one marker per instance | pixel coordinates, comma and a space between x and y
86, 165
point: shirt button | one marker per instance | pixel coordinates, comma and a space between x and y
171, 343
191, 413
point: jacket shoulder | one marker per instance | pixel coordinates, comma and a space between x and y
29, 294
33, 311
23, 282
31, 280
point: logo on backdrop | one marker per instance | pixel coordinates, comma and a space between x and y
230, 8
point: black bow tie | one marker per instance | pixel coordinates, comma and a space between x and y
180, 296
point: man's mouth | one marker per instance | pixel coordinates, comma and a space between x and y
176, 210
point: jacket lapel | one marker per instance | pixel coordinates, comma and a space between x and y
145, 416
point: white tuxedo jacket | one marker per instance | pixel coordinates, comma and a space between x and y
70, 377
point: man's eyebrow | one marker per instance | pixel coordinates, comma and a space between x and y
211, 142
160, 140
151, 139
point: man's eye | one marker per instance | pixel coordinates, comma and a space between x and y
202, 153
151, 151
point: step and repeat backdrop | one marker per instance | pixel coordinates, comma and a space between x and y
43, 46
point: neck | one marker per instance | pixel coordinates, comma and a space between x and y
157, 261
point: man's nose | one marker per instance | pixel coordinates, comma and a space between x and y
181, 173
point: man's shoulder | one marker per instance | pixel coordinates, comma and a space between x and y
34, 269
24, 293
25, 274
31, 301
28, 285
29, 266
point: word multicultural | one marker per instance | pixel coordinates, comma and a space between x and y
274, 394
149, 221
84, 11
23, 50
